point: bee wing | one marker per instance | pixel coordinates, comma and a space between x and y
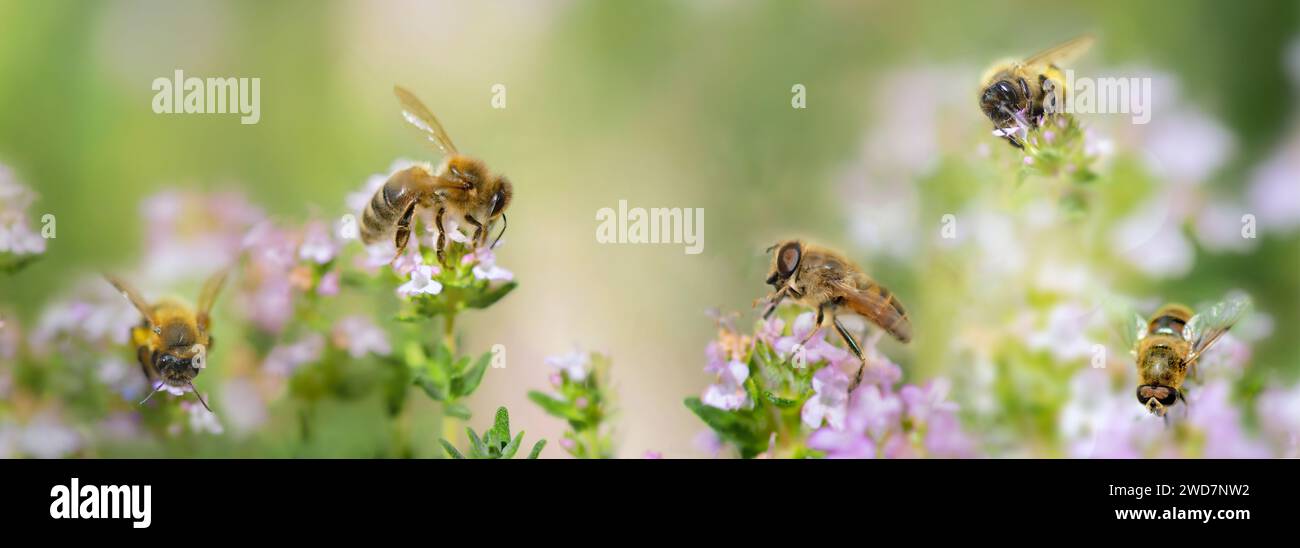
208, 296
878, 305
132, 294
1129, 326
1206, 327
419, 116
1063, 53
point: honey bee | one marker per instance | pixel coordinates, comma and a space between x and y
1168, 344
824, 280
173, 340
1016, 94
461, 186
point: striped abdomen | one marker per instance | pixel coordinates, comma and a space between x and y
391, 201
877, 304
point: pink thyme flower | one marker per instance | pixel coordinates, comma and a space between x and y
422, 282
873, 423
829, 401
817, 349
485, 267
771, 331
160, 386
729, 392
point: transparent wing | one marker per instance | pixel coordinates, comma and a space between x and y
1207, 326
208, 296
419, 116
1129, 326
1132, 331
1063, 53
132, 294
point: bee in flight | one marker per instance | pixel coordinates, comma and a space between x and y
1016, 94
1168, 344
826, 281
173, 340
461, 186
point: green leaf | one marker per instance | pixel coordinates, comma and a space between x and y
513, 447
12, 264
468, 381
555, 407
778, 401
476, 445
491, 296
456, 410
731, 426
450, 449
415, 357
502, 424
537, 449
442, 357
431, 388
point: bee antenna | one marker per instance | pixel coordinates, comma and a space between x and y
146, 398
200, 397
505, 222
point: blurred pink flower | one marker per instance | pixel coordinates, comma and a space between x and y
200, 419
243, 407
1272, 195
360, 336
574, 365
191, 234
47, 436
329, 284
16, 236
1279, 417
10, 337
318, 244
284, 359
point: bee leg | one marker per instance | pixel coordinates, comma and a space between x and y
403, 232
857, 351
478, 229
442, 237
773, 301
821, 317
848, 339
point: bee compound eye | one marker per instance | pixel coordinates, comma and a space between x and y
1144, 393
1006, 91
498, 203
788, 258
1170, 398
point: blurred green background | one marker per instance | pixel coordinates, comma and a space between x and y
663, 104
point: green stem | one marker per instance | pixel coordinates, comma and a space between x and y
449, 334
450, 429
